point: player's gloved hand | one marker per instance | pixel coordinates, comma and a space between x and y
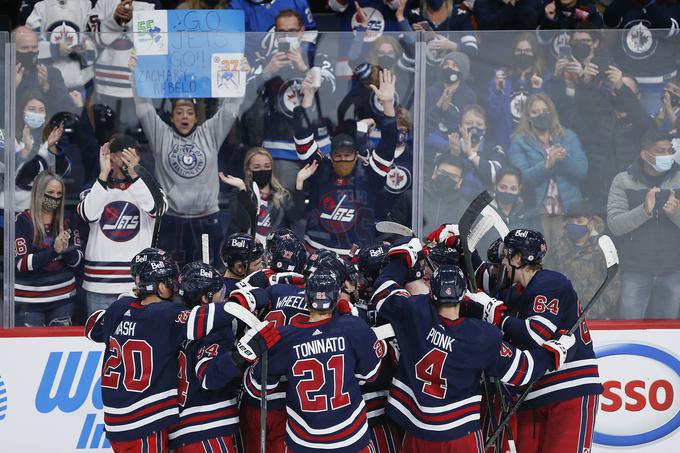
445, 234
250, 298
559, 348
493, 310
287, 278
258, 340
258, 279
345, 307
410, 251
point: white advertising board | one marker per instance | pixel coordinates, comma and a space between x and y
50, 399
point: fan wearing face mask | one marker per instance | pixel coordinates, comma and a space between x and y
445, 100
552, 162
443, 200
643, 214
578, 256
522, 75
47, 252
567, 14
343, 191
483, 160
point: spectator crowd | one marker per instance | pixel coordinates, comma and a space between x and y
566, 111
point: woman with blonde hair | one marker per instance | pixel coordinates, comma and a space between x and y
277, 208
551, 160
47, 250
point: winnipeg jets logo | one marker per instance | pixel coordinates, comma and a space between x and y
337, 215
638, 41
120, 221
398, 179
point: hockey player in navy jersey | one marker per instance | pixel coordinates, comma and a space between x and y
559, 413
209, 374
342, 192
324, 360
435, 394
235, 253
140, 368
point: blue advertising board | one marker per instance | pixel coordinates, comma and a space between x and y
185, 53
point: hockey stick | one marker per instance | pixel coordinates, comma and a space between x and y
205, 248
387, 227
471, 214
158, 199
242, 314
490, 218
612, 259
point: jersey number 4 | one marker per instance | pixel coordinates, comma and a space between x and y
314, 374
429, 370
135, 356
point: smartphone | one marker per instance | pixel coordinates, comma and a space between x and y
425, 25
564, 52
284, 46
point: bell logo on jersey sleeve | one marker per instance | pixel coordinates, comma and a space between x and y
120, 221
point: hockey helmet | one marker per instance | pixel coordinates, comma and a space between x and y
447, 285
370, 260
322, 290
154, 271
145, 255
288, 256
199, 279
529, 243
237, 248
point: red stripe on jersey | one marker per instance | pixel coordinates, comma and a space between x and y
381, 166
302, 148
200, 322
24, 263
376, 403
381, 438
137, 305
521, 370
89, 324
203, 417
539, 329
112, 419
201, 370
151, 440
90, 270
112, 75
54, 292
251, 386
214, 445
566, 375
449, 416
347, 432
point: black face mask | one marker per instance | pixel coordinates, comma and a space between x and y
450, 76
27, 59
386, 61
445, 185
211, 2
541, 122
580, 50
476, 134
262, 177
523, 60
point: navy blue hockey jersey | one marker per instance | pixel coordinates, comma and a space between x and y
436, 392
324, 363
343, 209
140, 367
209, 383
42, 274
548, 304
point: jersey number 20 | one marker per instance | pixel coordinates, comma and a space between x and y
135, 356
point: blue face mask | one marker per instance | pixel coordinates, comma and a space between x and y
663, 163
506, 198
575, 231
34, 120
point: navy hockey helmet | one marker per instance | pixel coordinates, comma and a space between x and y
370, 260
530, 244
278, 235
494, 254
149, 253
337, 265
199, 279
441, 254
322, 290
313, 260
288, 256
447, 285
237, 247
154, 271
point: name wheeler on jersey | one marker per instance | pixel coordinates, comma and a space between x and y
324, 363
140, 369
547, 304
121, 218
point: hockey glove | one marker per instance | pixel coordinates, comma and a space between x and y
287, 278
445, 234
493, 310
258, 279
250, 298
258, 340
559, 348
410, 252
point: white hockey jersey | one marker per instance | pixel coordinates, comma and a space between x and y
114, 43
121, 218
65, 21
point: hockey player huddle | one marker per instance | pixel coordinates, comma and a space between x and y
183, 372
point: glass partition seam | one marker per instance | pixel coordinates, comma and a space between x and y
419, 134
8, 271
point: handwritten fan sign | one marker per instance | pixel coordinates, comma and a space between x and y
189, 53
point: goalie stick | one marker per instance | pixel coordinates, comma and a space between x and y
489, 218
612, 259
